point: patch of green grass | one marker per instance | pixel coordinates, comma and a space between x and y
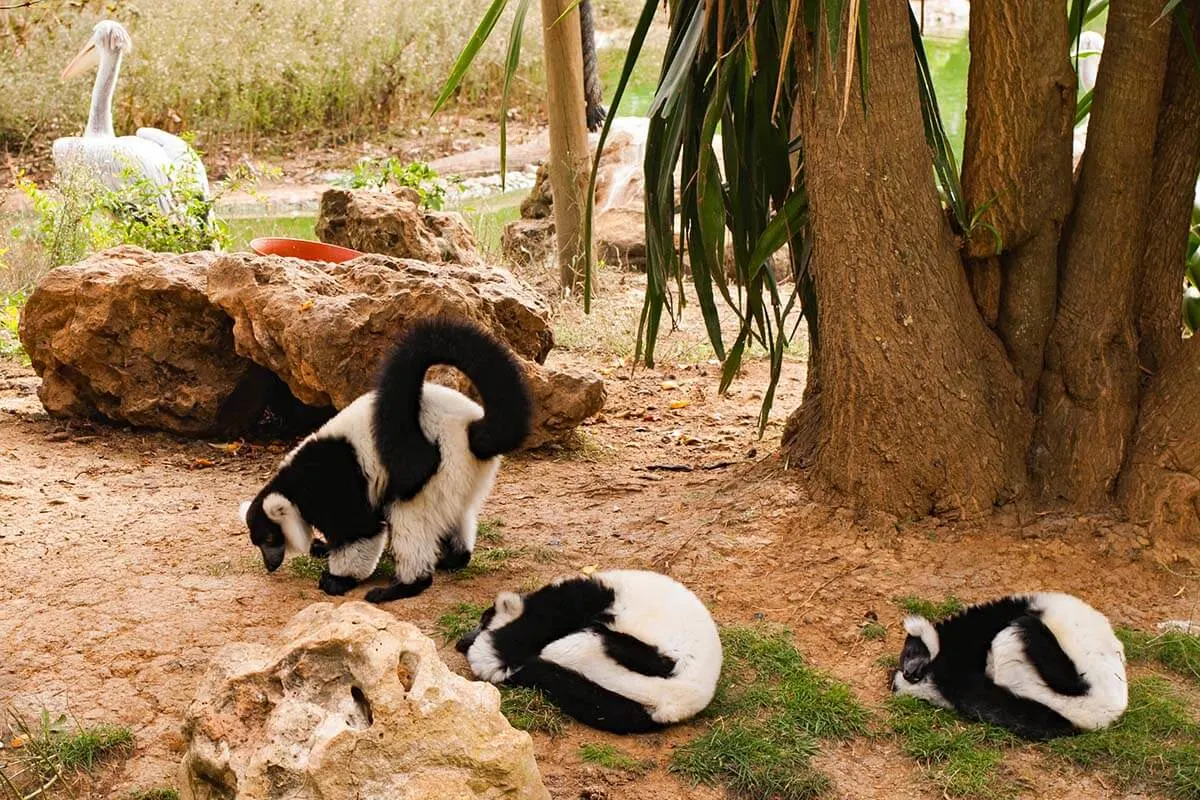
932, 610
769, 713
489, 530
609, 757
1155, 746
42, 752
873, 630
529, 710
155, 794
310, 567
459, 620
306, 566
1175, 650
753, 760
10, 318
485, 562
961, 757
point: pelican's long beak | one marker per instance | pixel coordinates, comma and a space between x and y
87, 58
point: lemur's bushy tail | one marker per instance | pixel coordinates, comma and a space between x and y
491, 366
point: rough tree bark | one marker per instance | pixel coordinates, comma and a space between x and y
1017, 157
1160, 485
1169, 210
569, 163
918, 410
1089, 389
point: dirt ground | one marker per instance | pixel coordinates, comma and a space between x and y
123, 565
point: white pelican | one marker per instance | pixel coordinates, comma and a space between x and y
159, 156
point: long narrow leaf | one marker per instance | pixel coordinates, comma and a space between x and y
680, 64
864, 49
474, 44
636, 43
944, 162
511, 64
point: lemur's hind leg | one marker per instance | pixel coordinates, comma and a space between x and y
454, 552
398, 590
458, 544
352, 563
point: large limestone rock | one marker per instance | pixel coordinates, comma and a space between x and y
394, 224
130, 336
351, 703
324, 329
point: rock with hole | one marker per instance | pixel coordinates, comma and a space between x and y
351, 702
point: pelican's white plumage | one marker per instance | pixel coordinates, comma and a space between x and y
162, 158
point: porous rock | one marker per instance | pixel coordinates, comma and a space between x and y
394, 224
324, 329
130, 336
350, 702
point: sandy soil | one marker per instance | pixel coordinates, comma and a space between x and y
123, 566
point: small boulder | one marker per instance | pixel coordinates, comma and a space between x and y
562, 399
394, 224
528, 242
539, 203
325, 329
130, 336
350, 702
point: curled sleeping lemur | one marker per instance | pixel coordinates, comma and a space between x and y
404, 468
1041, 665
624, 651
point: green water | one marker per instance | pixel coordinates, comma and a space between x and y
948, 62
243, 229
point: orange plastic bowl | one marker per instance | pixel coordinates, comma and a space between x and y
302, 248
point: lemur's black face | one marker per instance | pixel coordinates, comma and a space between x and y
464, 644
914, 660
266, 534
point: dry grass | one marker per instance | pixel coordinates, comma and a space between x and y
246, 69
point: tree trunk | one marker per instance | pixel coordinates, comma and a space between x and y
1161, 482
1017, 158
1169, 210
569, 162
917, 410
1089, 390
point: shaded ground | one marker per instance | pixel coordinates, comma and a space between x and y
123, 565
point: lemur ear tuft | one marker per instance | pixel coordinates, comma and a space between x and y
244, 511
509, 604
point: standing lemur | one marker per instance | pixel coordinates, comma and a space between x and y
404, 468
591, 75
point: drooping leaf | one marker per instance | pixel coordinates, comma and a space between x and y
472, 48
511, 63
636, 43
944, 162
